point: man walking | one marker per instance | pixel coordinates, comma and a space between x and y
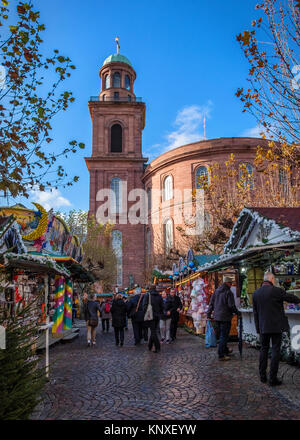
223, 305
135, 312
270, 321
157, 309
176, 307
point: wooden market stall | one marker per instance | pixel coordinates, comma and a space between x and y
263, 239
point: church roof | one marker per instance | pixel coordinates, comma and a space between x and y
117, 58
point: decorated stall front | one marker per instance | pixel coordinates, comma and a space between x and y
264, 239
41, 255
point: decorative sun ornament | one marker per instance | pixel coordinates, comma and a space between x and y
42, 225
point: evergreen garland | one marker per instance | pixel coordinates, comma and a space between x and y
21, 377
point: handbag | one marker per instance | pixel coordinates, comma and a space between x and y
93, 322
149, 312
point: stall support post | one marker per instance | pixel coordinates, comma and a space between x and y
46, 281
47, 347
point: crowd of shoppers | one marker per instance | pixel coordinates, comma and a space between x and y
154, 312
158, 313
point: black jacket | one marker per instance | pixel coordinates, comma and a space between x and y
222, 304
118, 312
176, 304
131, 309
90, 310
156, 302
268, 308
167, 307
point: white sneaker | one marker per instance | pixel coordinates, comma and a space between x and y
94, 343
89, 343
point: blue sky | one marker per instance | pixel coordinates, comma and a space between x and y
187, 60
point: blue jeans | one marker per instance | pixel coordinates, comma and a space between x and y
223, 330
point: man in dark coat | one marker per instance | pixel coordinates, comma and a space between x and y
271, 321
176, 307
91, 309
136, 313
118, 312
157, 308
223, 305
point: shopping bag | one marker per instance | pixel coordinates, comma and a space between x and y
210, 336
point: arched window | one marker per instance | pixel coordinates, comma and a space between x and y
283, 179
103, 97
117, 80
127, 82
116, 187
201, 177
168, 188
168, 235
107, 82
246, 174
148, 241
116, 139
149, 198
117, 247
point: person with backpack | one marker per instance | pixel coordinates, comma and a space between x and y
153, 309
91, 310
105, 315
118, 313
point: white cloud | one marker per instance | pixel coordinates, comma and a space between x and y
49, 199
188, 126
254, 132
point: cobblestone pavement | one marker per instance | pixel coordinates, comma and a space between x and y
184, 381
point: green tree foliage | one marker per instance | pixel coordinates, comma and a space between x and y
21, 377
28, 103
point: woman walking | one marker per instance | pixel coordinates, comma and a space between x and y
105, 314
165, 320
118, 312
91, 316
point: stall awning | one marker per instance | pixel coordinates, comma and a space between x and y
34, 263
77, 271
227, 260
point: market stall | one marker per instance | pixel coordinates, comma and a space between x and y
264, 239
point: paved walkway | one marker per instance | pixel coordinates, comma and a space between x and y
184, 381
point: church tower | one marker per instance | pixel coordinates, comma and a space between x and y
117, 164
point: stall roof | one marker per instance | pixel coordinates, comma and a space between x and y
77, 271
261, 226
35, 263
289, 217
203, 259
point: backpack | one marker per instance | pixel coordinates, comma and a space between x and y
107, 308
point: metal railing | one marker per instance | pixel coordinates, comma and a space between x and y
116, 99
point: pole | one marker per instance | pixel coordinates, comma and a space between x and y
47, 347
46, 281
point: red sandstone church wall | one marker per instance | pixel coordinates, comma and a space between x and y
181, 163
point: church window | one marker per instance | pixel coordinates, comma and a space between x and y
117, 247
106, 83
116, 187
246, 174
168, 235
168, 188
127, 82
201, 177
116, 139
117, 80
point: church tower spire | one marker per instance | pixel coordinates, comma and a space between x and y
117, 163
